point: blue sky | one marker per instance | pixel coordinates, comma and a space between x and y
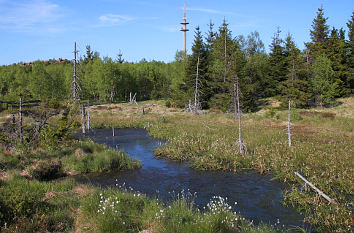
44, 29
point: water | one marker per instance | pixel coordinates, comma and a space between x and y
258, 197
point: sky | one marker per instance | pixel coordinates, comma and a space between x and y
45, 29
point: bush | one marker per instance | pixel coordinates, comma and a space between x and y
168, 104
20, 198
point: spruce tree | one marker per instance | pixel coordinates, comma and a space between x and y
278, 62
222, 53
336, 52
319, 35
256, 72
350, 54
199, 52
296, 87
323, 84
320, 29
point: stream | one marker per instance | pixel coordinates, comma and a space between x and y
258, 197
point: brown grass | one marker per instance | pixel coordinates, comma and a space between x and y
82, 190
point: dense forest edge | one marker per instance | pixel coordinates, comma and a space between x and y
315, 76
37, 193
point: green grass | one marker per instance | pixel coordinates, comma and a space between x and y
92, 157
322, 151
120, 211
71, 157
33, 206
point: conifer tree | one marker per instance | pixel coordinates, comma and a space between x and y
296, 87
223, 54
278, 62
319, 35
336, 52
350, 54
256, 72
198, 58
323, 84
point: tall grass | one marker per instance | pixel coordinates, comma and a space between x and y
322, 151
120, 211
92, 157
33, 206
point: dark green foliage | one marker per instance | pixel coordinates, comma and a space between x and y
319, 35
320, 29
323, 83
279, 65
350, 54
296, 87
199, 57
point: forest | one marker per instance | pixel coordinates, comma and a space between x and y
314, 76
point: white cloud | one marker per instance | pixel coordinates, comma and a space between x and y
113, 19
30, 16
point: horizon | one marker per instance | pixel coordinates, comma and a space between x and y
47, 29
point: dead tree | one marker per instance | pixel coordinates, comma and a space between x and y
196, 92
83, 124
132, 100
75, 88
237, 112
195, 107
20, 120
88, 116
225, 57
289, 125
112, 94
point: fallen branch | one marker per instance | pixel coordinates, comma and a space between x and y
315, 188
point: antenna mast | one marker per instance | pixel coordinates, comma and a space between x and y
74, 85
184, 29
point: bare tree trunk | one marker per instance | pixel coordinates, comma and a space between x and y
20, 120
225, 58
88, 115
293, 73
83, 119
237, 102
196, 94
111, 97
289, 126
307, 61
134, 98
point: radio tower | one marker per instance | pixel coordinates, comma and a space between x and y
75, 85
184, 29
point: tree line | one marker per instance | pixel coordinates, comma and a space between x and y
315, 75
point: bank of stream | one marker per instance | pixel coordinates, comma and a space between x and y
257, 197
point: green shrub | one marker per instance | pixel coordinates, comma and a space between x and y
20, 198
168, 104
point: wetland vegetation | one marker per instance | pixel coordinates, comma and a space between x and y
226, 77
